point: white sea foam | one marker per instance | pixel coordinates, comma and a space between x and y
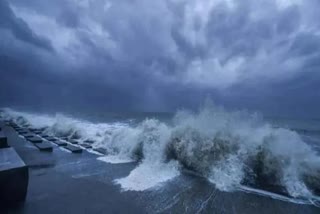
115, 159
228, 148
149, 175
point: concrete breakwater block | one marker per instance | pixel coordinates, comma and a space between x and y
74, 141
3, 141
37, 132
85, 145
44, 146
73, 149
28, 135
60, 143
24, 131
3, 138
14, 177
89, 141
100, 150
33, 129
50, 138
43, 135
35, 139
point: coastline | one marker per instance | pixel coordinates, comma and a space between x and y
62, 182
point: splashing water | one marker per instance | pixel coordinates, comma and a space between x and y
230, 149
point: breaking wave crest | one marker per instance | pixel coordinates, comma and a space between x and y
230, 149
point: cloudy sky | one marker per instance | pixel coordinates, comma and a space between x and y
160, 55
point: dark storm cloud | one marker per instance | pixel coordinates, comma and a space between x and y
161, 55
69, 19
19, 28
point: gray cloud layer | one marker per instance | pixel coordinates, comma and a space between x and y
160, 55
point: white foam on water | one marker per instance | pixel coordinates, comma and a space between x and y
272, 195
63, 149
147, 176
115, 159
94, 152
23, 118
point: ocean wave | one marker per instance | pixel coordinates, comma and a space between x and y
230, 149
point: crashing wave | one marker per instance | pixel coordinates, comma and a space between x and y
230, 149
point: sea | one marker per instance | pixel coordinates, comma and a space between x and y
234, 151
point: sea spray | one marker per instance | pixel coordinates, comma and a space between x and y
230, 149
151, 146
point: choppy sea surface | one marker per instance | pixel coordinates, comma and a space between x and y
234, 150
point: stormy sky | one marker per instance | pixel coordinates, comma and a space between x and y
161, 55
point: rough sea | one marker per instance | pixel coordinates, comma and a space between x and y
235, 151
